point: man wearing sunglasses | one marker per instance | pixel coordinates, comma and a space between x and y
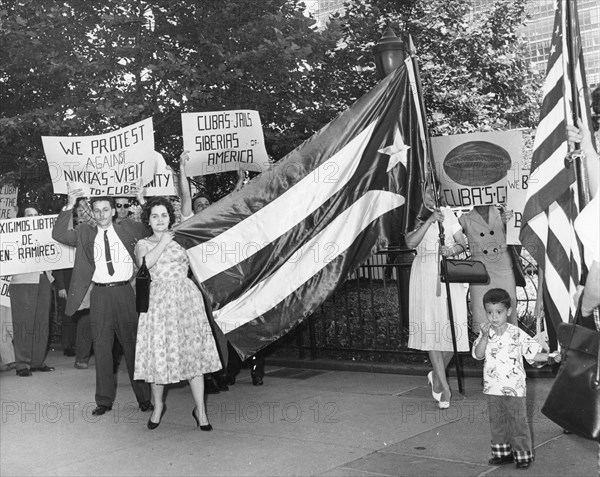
122, 204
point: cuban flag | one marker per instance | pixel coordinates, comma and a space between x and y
268, 255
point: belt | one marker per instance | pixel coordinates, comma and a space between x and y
112, 284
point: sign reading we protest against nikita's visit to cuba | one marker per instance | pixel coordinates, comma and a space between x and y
220, 141
26, 245
107, 164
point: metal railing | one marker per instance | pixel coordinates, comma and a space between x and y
367, 317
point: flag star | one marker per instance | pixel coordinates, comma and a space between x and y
397, 152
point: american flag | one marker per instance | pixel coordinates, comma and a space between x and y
268, 255
552, 204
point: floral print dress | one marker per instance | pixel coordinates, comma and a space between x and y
174, 339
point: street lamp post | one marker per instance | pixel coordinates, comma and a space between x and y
389, 53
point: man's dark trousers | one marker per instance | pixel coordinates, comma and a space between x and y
113, 311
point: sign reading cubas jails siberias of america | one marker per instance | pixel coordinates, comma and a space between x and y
220, 141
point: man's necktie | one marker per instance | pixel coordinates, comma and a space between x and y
109, 265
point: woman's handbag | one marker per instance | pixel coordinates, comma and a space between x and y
574, 399
464, 271
142, 288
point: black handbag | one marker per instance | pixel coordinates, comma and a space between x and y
574, 399
464, 271
142, 288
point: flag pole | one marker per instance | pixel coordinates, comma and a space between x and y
573, 40
433, 182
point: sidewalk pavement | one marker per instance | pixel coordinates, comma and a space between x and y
300, 422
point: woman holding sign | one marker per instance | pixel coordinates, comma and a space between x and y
174, 340
30, 305
429, 325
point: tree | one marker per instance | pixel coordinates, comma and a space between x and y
472, 67
75, 67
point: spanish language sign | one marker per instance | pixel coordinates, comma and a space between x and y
473, 168
26, 245
108, 164
8, 201
222, 141
4, 293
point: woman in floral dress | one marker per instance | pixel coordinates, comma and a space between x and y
174, 340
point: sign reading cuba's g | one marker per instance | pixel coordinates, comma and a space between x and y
107, 164
220, 141
473, 169
26, 245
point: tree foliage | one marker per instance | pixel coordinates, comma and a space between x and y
75, 67
473, 71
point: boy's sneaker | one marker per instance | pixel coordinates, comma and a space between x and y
505, 459
523, 465
81, 365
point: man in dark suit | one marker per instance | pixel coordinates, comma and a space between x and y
104, 255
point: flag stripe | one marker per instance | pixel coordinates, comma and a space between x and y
283, 317
311, 257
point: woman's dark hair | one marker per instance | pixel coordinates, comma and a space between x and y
154, 202
28, 205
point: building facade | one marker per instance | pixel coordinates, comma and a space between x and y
537, 30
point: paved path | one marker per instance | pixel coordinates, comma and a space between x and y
301, 422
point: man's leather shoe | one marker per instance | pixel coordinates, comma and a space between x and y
43, 369
523, 465
100, 409
23, 372
146, 406
210, 385
222, 383
506, 459
257, 381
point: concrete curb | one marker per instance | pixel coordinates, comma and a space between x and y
386, 368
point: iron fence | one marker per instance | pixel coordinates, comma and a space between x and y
367, 317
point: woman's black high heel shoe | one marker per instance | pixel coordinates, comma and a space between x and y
207, 427
154, 425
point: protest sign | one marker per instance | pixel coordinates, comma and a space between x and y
107, 164
473, 168
8, 201
26, 245
164, 179
4, 295
220, 141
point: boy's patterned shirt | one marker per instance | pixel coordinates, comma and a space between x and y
503, 370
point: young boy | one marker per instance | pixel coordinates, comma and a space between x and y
504, 346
